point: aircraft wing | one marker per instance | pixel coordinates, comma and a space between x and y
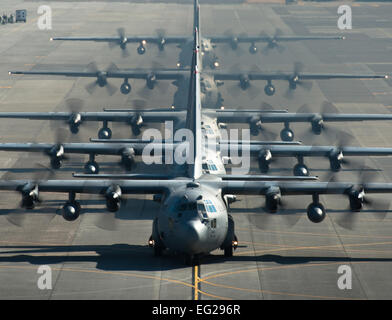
274, 117
269, 76
264, 38
299, 188
148, 116
255, 177
121, 74
245, 187
81, 148
92, 186
308, 151
137, 39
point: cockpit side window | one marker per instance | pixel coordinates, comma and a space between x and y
209, 206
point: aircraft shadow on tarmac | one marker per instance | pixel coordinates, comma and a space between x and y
114, 257
146, 209
126, 257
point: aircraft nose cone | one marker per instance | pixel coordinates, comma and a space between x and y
193, 235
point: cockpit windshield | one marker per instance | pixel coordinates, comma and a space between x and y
202, 207
187, 206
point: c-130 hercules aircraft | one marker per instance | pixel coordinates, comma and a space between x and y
208, 44
193, 218
211, 78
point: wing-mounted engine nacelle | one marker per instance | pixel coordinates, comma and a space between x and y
317, 125
30, 196
356, 198
293, 82
229, 199
74, 122
123, 44
128, 158
151, 80
264, 159
335, 160
161, 44
56, 154
234, 43
273, 43
272, 199
255, 125
113, 198
244, 82
141, 49
136, 123
316, 211
102, 78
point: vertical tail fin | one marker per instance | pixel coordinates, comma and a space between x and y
196, 15
193, 120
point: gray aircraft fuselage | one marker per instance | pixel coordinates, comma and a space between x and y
211, 98
186, 224
209, 58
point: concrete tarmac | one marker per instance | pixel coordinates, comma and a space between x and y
282, 256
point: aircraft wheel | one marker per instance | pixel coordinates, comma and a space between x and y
158, 250
228, 251
192, 260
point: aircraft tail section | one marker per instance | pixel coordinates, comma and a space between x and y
196, 15
193, 120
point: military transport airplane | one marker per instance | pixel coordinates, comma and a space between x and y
211, 79
266, 152
138, 118
194, 218
209, 58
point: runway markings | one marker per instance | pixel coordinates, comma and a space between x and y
125, 274
224, 274
277, 292
195, 281
280, 232
337, 246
